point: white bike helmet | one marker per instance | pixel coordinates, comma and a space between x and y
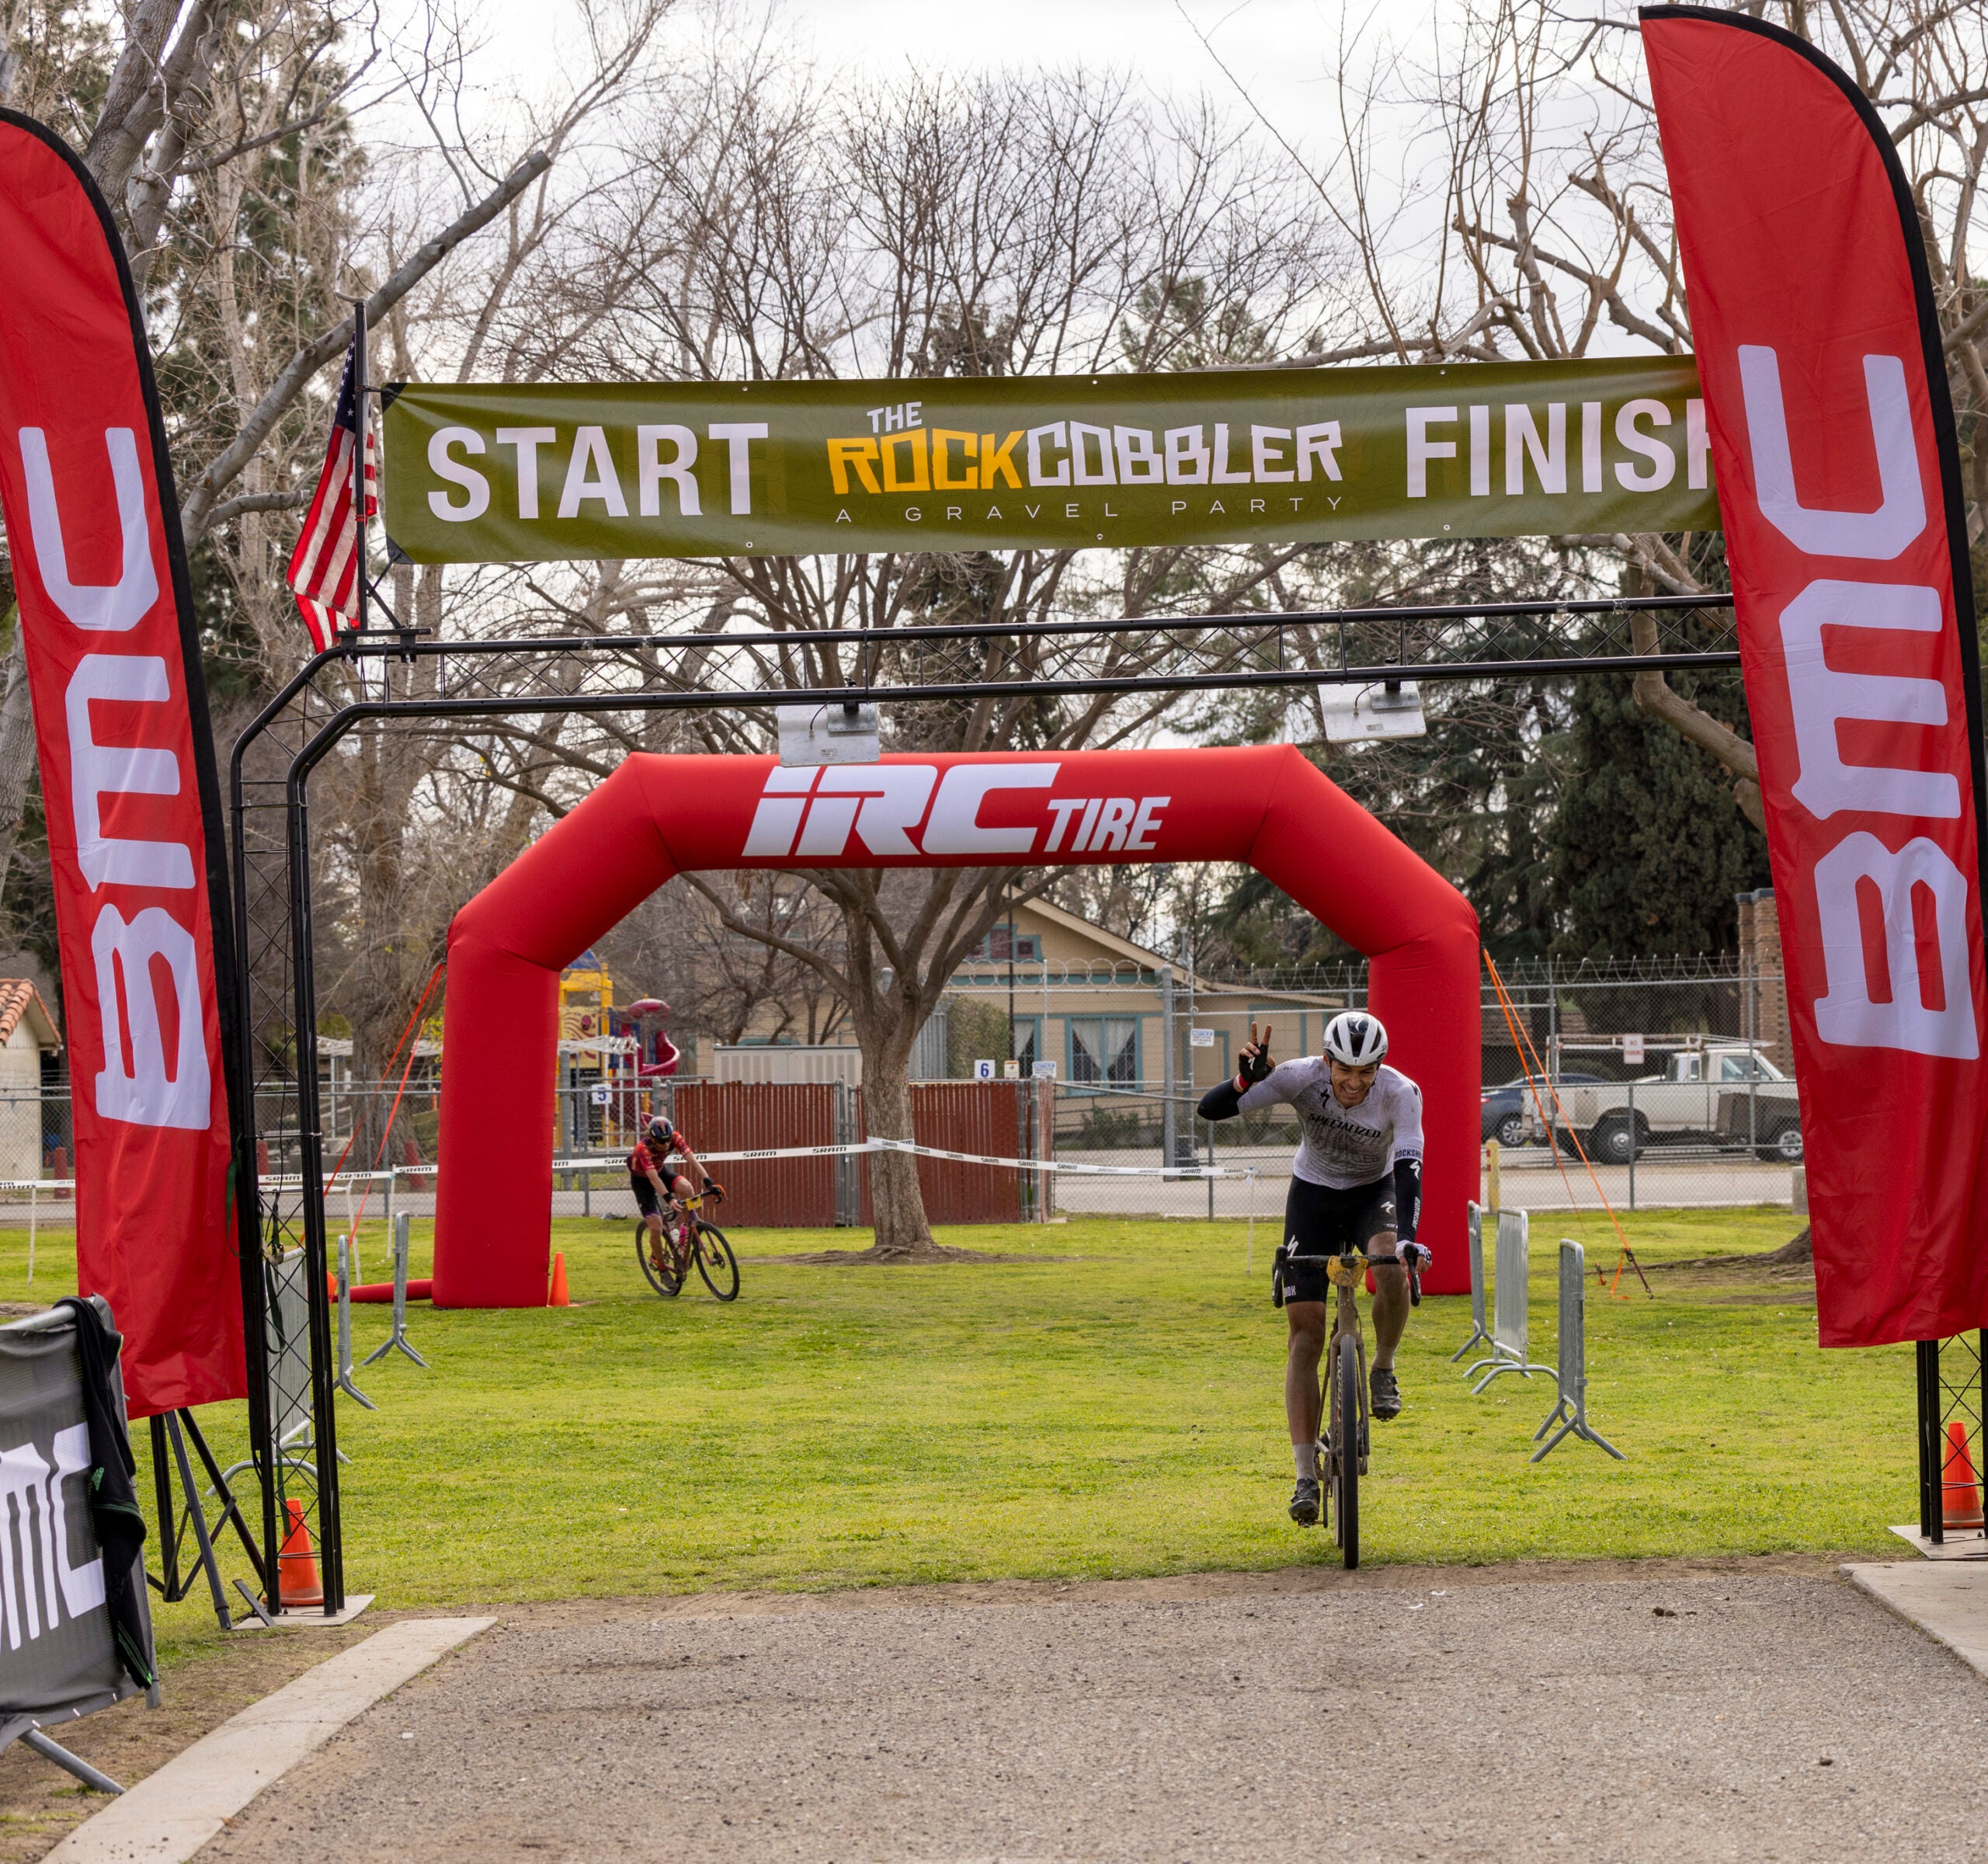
1356, 1038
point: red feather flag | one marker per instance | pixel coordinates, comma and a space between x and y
165, 1230
1839, 481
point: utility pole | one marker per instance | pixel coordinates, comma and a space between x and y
1184, 1043
1011, 970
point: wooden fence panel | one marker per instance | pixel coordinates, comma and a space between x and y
991, 1118
994, 1119
729, 1116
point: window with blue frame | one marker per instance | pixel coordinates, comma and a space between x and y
1104, 1051
994, 949
1028, 1041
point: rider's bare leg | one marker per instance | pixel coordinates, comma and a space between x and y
1301, 1370
1390, 1300
653, 1220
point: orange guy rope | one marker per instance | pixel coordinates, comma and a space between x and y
413, 1023
1522, 1043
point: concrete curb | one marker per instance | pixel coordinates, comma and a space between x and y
1949, 1603
171, 1814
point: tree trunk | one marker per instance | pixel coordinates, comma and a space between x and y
897, 1203
17, 747
1791, 1254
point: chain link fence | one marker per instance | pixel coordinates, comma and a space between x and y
1674, 1078
1675, 1081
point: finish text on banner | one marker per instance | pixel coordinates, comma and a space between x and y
1826, 384
503, 474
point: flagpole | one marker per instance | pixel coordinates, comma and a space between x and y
359, 452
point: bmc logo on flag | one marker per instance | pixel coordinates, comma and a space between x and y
1907, 986
139, 1081
810, 813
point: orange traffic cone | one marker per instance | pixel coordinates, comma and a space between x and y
559, 1297
298, 1583
1960, 1495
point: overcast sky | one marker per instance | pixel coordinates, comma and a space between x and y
1273, 47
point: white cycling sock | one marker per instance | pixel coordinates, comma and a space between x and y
1302, 1455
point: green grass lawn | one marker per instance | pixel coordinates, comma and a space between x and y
1111, 1406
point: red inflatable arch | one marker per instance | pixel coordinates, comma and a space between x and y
658, 816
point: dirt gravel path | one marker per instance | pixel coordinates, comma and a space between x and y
1650, 1710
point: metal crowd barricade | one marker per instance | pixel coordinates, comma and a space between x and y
287, 1315
1509, 1307
398, 1336
1478, 1334
1569, 1409
346, 1367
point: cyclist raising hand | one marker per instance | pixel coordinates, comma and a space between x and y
1355, 1184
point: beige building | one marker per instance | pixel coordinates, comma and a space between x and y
1096, 1007
27, 1034
1091, 1004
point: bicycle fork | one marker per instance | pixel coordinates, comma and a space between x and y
1344, 1325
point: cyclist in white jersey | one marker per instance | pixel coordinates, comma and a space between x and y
1355, 1183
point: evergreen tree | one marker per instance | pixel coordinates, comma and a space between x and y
1647, 849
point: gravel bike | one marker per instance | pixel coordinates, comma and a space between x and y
1341, 1456
686, 1238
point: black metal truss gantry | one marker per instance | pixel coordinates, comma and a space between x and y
401, 676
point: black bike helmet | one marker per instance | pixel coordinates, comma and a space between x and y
660, 1131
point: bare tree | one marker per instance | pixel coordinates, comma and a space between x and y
224, 139
726, 987
995, 227
1553, 239
395, 857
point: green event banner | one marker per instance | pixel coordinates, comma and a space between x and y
487, 473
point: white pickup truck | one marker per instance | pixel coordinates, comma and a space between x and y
1713, 1093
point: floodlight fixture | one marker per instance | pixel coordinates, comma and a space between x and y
1360, 715
827, 734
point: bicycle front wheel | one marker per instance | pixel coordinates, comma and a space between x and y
716, 1263
664, 1280
1346, 1446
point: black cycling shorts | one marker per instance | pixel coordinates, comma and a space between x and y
1320, 1220
646, 1199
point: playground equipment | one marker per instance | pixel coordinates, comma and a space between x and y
604, 1063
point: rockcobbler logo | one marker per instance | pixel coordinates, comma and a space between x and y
900, 811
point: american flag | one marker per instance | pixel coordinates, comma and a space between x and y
324, 569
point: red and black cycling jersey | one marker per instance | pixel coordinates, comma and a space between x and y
642, 1160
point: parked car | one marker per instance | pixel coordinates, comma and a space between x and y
1720, 1093
1505, 1108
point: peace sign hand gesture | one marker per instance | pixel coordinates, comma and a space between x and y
1257, 1063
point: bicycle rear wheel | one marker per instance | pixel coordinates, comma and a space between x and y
1346, 1446
664, 1280
716, 1263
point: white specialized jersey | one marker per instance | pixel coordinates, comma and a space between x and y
1343, 1146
